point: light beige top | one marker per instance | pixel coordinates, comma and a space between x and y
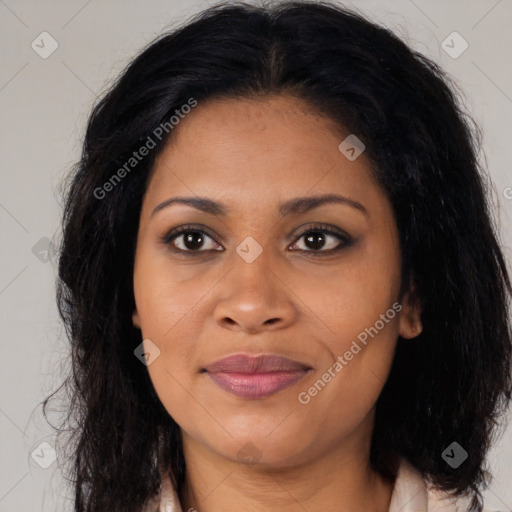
410, 494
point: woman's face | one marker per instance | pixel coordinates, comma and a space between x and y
268, 278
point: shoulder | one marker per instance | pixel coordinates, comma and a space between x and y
413, 494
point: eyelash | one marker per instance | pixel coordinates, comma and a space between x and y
345, 240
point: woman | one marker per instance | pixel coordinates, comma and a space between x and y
280, 276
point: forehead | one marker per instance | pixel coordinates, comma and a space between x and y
250, 151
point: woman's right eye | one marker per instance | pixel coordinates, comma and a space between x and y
187, 239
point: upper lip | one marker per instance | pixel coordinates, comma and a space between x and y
242, 363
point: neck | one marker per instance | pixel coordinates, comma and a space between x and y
344, 478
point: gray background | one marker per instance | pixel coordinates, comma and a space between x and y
45, 104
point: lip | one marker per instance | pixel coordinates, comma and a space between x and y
256, 376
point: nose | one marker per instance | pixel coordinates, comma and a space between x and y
255, 297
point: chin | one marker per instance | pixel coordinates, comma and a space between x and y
264, 451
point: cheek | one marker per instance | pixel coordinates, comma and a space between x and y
166, 293
346, 300
357, 312
345, 389
166, 302
169, 317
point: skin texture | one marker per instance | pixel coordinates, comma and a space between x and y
198, 308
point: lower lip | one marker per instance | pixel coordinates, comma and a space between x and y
256, 385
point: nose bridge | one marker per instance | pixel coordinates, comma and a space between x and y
252, 264
255, 297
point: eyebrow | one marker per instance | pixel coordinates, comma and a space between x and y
290, 207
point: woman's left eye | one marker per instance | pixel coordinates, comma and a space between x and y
317, 239
328, 239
